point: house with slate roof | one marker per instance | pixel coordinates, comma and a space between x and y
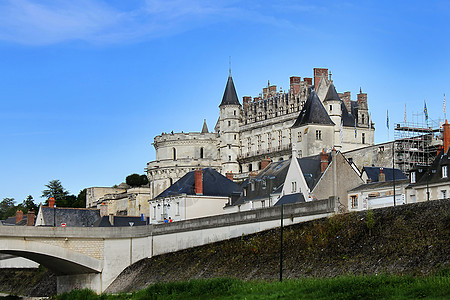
199, 193
430, 183
298, 180
378, 189
66, 217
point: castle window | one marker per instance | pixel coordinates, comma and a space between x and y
331, 107
229, 157
235, 137
178, 209
154, 212
299, 136
229, 123
363, 138
174, 154
413, 177
362, 118
318, 135
269, 140
444, 194
444, 171
280, 138
170, 181
201, 152
263, 203
234, 112
250, 167
259, 142
259, 165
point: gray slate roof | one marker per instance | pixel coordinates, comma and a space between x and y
214, 184
374, 172
433, 174
72, 217
313, 112
230, 96
289, 199
271, 179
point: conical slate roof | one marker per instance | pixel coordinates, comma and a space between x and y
229, 96
332, 94
205, 127
313, 112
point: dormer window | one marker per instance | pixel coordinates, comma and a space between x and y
413, 177
444, 171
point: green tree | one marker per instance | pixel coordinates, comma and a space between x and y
57, 191
7, 208
81, 198
135, 180
28, 204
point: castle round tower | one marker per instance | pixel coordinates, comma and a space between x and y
228, 129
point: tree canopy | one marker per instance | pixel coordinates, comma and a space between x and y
7, 208
136, 180
62, 197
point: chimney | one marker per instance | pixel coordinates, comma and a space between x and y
381, 176
319, 74
230, 175
362, 100
295, 84
103, 209
446, 135
30, 218
323, 161
51, 202
19, 216
308, 80
198, 182
265, 162
246, 100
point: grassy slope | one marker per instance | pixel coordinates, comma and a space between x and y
410, 239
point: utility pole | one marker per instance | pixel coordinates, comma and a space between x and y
281, 245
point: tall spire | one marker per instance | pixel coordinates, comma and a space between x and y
205, 127
229, 66
229, 96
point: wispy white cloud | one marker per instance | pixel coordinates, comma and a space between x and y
44, 22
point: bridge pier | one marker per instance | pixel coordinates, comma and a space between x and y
66, 283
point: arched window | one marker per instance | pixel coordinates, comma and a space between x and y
170, 181
174, 154
201, 152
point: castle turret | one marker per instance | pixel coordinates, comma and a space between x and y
230, 112
363, 110
333, 104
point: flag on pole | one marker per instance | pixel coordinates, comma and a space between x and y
387, 119
355, 131
405, 114
445, 114
425, 111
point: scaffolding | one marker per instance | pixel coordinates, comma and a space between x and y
416, 143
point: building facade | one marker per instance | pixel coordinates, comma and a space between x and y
261, 129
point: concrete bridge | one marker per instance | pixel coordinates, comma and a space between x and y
94, 257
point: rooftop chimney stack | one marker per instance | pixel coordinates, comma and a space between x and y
30, 218
230, 175
19, 216
446, 137
323, 161
51, 202
198, 182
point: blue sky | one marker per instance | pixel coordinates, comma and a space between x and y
85, 85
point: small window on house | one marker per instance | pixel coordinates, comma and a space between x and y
299, 136
263, 184
444, 194
178, 208
294, 186
229, 157
444, 171
331, 107
259, 165
413, 177
354, 200
154, 212
263, 203
318, 135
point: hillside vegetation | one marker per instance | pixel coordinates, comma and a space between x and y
403, 240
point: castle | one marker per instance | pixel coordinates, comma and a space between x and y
310, 116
